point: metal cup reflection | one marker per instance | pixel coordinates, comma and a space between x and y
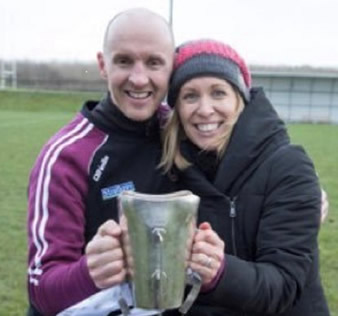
157, 237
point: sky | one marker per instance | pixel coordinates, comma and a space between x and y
264, 32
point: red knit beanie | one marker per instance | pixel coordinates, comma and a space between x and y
208, 58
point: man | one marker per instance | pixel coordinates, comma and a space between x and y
109, 147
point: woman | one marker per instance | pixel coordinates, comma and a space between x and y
256, 248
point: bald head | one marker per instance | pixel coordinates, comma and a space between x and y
137, 61
137, 19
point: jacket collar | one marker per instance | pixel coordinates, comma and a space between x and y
108, 117
257, 133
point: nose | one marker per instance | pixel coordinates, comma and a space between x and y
139, 76
205, 107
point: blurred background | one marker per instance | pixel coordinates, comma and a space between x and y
48, 69
291, 46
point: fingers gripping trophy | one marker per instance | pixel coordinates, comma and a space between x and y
157, 234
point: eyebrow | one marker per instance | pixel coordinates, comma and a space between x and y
184, 89
157, 56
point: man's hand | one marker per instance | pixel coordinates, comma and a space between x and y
105, 259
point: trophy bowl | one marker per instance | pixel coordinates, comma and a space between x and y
157, 235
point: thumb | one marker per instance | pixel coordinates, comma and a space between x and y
205, 226
109, 228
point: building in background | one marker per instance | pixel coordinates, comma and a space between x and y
300, 94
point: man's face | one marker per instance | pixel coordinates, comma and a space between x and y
137, 66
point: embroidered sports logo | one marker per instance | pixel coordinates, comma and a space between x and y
100, 169
116, 190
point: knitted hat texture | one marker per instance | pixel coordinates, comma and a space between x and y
208, 58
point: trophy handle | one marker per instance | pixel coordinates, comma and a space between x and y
125, 310
193, 279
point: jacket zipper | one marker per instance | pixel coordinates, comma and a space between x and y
232, 215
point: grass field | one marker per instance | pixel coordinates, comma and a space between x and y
28, 119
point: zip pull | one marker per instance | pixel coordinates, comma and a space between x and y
232, 207
232, 215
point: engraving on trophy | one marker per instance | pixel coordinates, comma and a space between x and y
159, 276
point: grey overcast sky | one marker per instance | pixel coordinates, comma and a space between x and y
265, 32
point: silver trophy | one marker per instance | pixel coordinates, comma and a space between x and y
157, 232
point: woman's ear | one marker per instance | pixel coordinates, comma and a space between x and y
101, 65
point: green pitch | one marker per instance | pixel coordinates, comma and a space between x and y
28, 119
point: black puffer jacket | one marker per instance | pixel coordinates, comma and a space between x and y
264, 203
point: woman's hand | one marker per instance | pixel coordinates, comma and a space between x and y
207, 253
105, 259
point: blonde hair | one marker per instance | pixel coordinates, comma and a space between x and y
173, 134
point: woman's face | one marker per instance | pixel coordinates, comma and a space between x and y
204, 105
